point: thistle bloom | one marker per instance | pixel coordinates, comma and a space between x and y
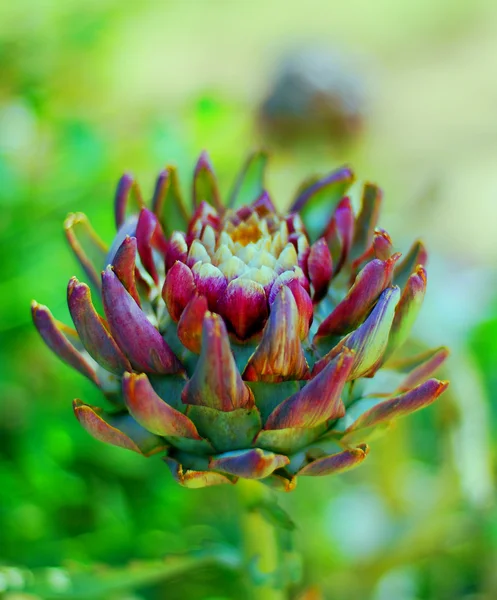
237, 340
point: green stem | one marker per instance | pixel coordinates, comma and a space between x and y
260, 545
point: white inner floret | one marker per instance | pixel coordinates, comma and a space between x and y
250, 250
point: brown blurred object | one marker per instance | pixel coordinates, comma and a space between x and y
314, 93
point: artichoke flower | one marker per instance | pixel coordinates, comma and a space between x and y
314, 94
239, 341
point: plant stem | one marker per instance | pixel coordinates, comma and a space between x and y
260, 545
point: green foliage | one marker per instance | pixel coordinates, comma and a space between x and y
483, 343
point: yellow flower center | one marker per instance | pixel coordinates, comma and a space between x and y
246, 233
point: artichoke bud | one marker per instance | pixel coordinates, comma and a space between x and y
232, 334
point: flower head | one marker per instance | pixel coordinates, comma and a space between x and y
238, 340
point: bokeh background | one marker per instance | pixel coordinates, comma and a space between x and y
89, 89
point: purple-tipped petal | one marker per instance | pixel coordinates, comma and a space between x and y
368, 285
302, 279
426, 366
210, 283
150, 237
292, 281
244, 306
89, 249
264, 206
153, 413
250, 464
178, 289
127, 188
369, 341
92, 330
279, 283
124, 265
304, 306
191, 322
294, 223
335, 463
316, 202
340, 232
216, 382
140, 341
197, 253
204, 214
417, 255
407, 310
205, 187
382, 245
192, 479
331, 182
177, 249
279, 356
367, 219
249, 184
242, 214
53, 335
299, 240
117, 429
128, 228
399, 406
320, 267
318, 401
167, 202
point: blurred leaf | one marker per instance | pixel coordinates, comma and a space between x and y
483, 344
274, 514
78, 581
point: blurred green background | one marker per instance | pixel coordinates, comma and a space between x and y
89, 89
